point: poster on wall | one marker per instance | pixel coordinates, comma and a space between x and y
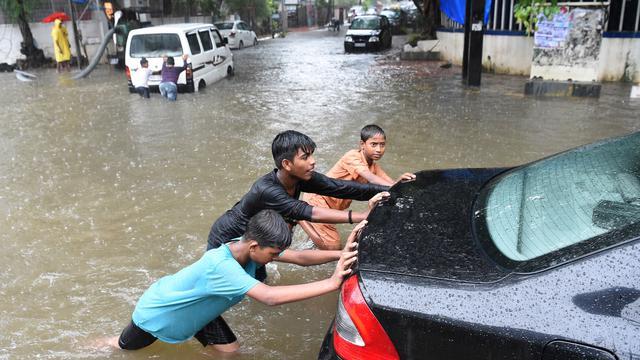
567, 46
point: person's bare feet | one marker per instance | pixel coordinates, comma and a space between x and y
106, 343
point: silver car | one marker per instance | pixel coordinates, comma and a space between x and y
238, 33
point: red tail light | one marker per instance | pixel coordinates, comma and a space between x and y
357, 333
127, 72
189, 71
232, 34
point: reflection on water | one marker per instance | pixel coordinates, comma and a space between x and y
102, 192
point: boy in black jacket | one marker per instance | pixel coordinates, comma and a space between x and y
280, 189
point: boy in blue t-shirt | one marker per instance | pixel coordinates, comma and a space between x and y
189, 303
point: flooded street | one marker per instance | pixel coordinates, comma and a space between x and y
102, 192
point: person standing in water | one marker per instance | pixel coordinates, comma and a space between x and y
61, 47
356, 165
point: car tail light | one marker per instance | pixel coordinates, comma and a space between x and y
357, 333
189, 71
127, 71
232, 34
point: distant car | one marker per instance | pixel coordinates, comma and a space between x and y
394, 19
534, 262
368, 32
409, 15
238, 33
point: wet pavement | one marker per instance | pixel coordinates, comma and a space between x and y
102, 192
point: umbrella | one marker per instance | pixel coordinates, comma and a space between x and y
56, 15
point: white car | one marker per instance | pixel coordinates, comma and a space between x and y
238, 33
209, 58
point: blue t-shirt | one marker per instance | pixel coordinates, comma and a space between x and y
177, 306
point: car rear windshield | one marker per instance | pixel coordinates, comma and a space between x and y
224, 26
155, 45
575, 198
365, 23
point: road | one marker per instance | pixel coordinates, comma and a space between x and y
103, 192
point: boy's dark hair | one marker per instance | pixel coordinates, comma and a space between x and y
268, 228
143, 61
170, 61
286, 144
370, 131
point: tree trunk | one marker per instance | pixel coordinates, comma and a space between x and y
431, 18
35, 56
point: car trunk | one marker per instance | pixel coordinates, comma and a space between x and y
419, 232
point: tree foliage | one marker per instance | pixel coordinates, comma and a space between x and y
18, 10
527, 12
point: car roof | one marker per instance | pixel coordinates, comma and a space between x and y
170, 28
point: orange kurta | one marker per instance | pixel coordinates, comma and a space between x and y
348, 167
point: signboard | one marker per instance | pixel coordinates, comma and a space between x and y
567, 46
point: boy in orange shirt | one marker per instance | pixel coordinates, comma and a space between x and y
356, 165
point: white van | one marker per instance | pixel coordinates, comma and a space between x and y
209, 56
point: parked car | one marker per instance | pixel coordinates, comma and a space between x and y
238, 33
394, 19
409, 15
368, 32
209, 58
534, 262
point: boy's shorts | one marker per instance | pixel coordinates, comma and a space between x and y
217, 332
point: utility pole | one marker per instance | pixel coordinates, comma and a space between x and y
75, 33
473, 35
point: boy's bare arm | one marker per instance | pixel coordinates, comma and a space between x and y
276, 295
309, 257
373, 178
332, 216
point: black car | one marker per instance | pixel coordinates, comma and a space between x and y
368, 32
394, 19
540, 261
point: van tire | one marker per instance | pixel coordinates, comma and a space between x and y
240, 45
255, 41
202, 85
230, 71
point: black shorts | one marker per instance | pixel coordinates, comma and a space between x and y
217, 332
134, 338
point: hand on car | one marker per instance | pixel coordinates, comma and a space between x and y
352, 240
343, 268
185, 57
406, 177
377, 197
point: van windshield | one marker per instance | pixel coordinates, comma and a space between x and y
155, 45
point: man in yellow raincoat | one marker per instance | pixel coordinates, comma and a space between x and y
61, 47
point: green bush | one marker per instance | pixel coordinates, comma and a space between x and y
413, 39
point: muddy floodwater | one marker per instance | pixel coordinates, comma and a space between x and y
102, 192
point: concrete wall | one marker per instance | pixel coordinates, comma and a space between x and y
507, 54
620, 60
10, 39
92, 33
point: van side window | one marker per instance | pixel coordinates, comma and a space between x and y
193, 43
217, 38
205, 39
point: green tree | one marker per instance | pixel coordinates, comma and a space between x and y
18, 10
527, 12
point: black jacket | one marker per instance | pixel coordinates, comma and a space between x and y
268, 193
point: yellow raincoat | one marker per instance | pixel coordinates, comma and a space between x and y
61, 45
